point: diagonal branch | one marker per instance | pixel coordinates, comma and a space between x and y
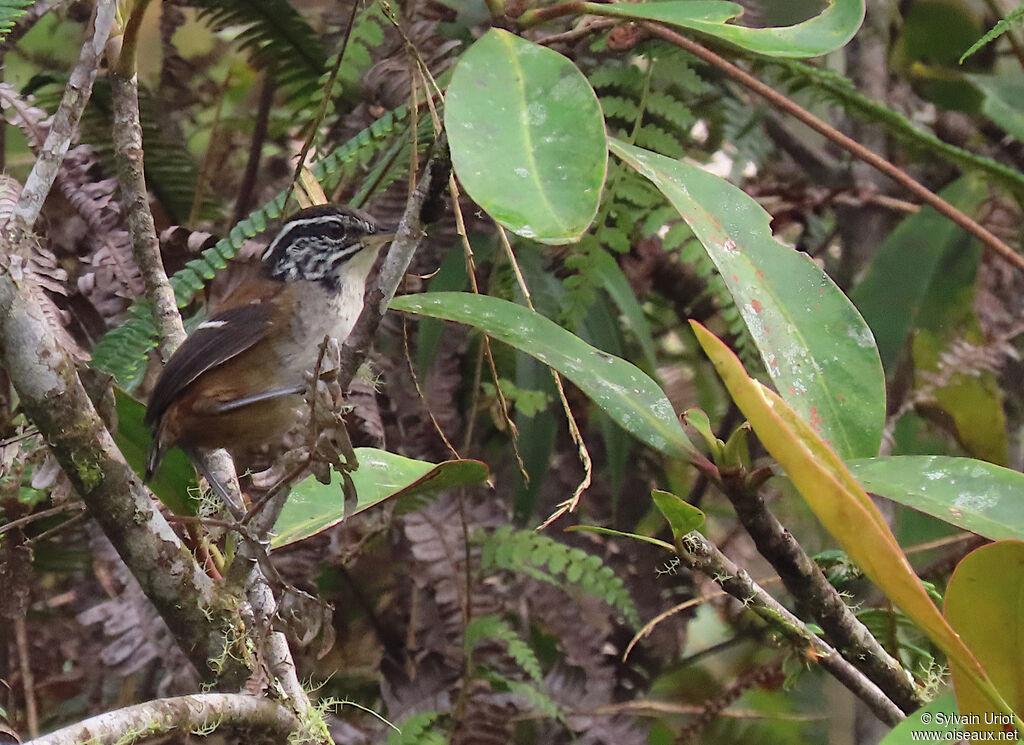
53, 398
699, 554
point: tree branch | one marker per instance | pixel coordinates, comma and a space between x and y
698, 554
263, 720
806, 582
55, 401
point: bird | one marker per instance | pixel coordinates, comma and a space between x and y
236, 382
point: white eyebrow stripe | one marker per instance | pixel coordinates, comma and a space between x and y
319, 220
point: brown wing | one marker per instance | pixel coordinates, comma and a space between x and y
215, 341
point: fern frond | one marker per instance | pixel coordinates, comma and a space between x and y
418, 730
617, 107
548, 560
494, 627
530, 693
10, 11
655, 138
1004, 25
625, 78
277, 38
122, 350
670, 109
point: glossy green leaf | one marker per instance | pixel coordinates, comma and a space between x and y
622, 390
527, 137
909, 261
985, 604
682, 517
824, 33
936, 716
313, 507
621, 534
815, 345
1003, 102
617, 286
174, 483
971, 494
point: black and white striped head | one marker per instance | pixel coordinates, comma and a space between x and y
315, 243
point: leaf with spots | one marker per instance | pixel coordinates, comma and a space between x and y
974, 495
622, 390
816, 347
527, 137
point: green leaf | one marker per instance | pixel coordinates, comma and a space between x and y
824, 33
936, 716
174, 483
313, 507
682, 517
622, 390
527, 137
971, 494
1002, 102
617, 286
985, 604
815, 345
909, 261
620, 534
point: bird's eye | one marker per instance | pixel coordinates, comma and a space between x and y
336, 231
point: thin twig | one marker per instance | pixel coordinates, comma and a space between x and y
488, 354
41, 515
65, 121
987, 237
128, 154
574, 430
28, 685
808, 584
243, 202
698, 554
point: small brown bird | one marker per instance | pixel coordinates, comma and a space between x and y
237, 381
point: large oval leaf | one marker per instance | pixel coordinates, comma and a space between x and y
823, 33
622, 390
527, 137
971, 494
816, 347
985, 604
313, 507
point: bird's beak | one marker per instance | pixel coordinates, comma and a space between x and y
378, 239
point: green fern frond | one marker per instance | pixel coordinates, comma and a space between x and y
614, 75
670, 109
493, 627
547, 560
418, 730
533, 696
122, 351
1004, 25
277, 38
655, 138
617, 107
367, 34
11, 11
